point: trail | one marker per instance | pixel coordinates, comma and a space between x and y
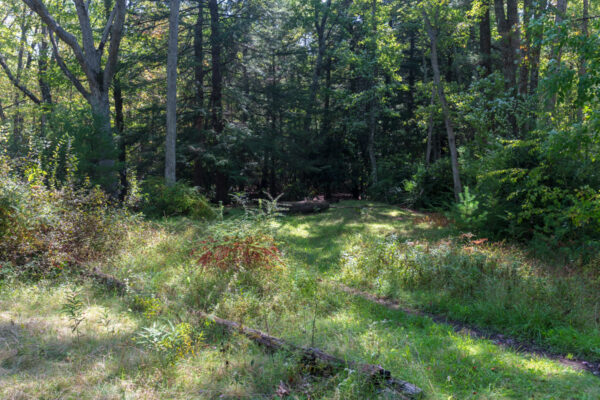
498, 339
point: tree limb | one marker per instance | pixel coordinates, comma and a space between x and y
40, 9
87, 35
106, 31
66, 69
115, 41
16, 82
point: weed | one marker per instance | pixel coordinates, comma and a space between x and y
73, 309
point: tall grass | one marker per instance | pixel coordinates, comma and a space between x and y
484, 285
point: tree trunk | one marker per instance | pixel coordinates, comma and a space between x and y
120, 125
442, 99
371, 143
556, 55
99, 75
17, 138
200, 120
485, 40
582, 68
171, 139
526, 56
43, 69
314, 356
373, 102
430, 129
320, 24
508, 29
536, 50
216, 100
216, 96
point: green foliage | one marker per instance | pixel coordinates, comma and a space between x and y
467, 212
430, 187
73, 309
46, 229
480, 284
171, 342
160, 200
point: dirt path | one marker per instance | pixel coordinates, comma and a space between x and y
466, 329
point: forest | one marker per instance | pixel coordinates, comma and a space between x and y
299, 199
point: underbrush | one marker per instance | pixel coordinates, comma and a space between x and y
45, 229
160, 200
473, 282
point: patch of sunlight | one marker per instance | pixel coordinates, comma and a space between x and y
302, 231
380, 228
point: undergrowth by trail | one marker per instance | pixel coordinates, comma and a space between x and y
148, 345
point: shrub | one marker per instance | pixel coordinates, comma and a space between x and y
240, 252
49, 228
171, 342
467, 212
160, 200
430, 187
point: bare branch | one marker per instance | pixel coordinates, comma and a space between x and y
87, 35
40, 9
115, 41
16, 82
66, 69
106, 31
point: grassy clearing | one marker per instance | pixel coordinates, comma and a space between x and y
41, 358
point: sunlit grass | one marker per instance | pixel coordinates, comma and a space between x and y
158, 260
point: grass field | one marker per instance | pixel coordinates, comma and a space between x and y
149, 345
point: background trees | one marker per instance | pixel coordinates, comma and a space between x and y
318, 97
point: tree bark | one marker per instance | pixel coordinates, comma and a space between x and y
216, 96
485, 40
442, 99
320, 23
582, 68
43, 68
171, 138
120, 125
526, 56
508, 28
314, 356
556, 55
216, 100
99, 75
536, 50
373, 103
2, 113
199, 122
430, 130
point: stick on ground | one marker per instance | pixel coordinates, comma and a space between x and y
377, 373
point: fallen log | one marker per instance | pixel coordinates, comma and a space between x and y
312, 355
303, 207
377, 373
106, 280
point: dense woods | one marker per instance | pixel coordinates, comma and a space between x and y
217, 138
402, 101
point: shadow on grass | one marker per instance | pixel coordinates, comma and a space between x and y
446, 364
318, 240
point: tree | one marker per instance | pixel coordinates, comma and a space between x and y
431, 32
89, 57
172, 94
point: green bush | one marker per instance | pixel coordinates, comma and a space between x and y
160, 200
45, 229
467, 213
430, 187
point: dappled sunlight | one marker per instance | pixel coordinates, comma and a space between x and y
43, 357
450, 363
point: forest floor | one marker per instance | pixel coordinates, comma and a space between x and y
118, 351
